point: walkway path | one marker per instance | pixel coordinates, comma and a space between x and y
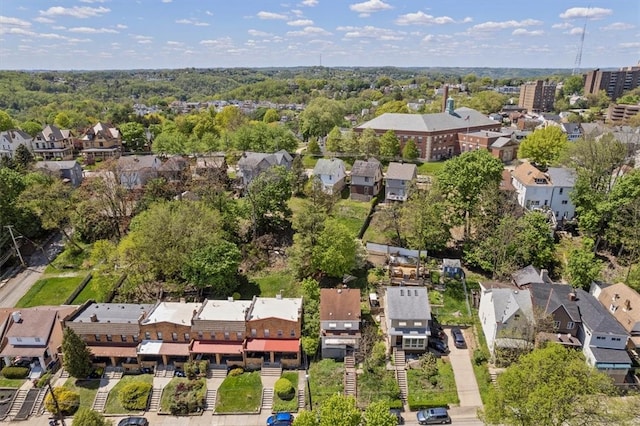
466, 383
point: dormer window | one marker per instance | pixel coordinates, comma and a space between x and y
613, 308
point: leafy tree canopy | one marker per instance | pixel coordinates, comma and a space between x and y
77, 357
544, 146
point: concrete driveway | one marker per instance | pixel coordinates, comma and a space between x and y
466, 383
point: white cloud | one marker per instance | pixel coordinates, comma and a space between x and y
76, 11
208, 13
145, 41
421, 18
121, 27
225, 42
309, 3
562, 26
297, 12
585, 12
175, 43
630, 45
271, 15
93, 1
300, 22
192, 22
574, 31
493, 26
371, 6
428, 38
617, 26
91, 30
59, 27
371, 32
43, 20
14, 22
525, 32
167, 1
467, 19
257, 33
309, 31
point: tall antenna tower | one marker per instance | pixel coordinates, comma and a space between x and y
576, 65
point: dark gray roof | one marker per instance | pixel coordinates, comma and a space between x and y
52, 132
561, 176
113, 312
527, 275
11, 134
251, 160
365, 168
136, 162
401, 171
56, 165
570, 127
501, 142
461, 119
610, 356
174, 164
595, 316
550, 297
407, 303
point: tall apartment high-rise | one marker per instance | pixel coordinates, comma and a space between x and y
612, 82
537, 96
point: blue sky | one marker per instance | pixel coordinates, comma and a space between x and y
125, 34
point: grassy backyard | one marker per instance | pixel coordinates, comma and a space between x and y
113, 401
86, 388
97, 289
430, 168
454, 310
378, 385
272, 282
11, 383
351, 214
325, 379
422, 393
291, 405
240, 394
49, 291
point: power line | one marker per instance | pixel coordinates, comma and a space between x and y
15, 244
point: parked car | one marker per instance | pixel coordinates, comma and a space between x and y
280, 419
458, 338
433, 416
134, 421
438, 345
398, 414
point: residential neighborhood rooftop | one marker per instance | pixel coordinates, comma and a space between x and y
224, 310
407, 303
273, 307
112, 312
401, 171
172, 312
339, 304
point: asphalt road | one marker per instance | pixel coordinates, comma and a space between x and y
16, 287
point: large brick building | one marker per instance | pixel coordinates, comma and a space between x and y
537, 96
436, 135
612, 82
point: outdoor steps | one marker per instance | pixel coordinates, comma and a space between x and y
17, 402
159, 371
210, 400
494, 377
401, 377
154, 401
349, 362
271, 371
169, 371
302, 401
217, 373
350, 377
399, 358
28, 404
38, 407
267, 399
64, 374
100, 401
113, 373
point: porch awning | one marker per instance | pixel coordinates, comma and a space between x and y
23, 351
340, 341
224, 348
158, 347
273, 345
113, 351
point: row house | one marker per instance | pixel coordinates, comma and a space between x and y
340, 316
53, 143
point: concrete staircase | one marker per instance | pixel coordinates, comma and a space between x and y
100, 401
271, 371
217, 373
399, 361
38, 407
28, 404
113, 373
210, 400
267, 399
154, 399
350, 378
169, 371
64, 374
16, 405
302, 400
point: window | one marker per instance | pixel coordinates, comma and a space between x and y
348, 325
615, 339
109, 338
560, 192
402, 323
187, 337
280, 333
413, 343
570, 325
147, 335
516, 316
159, 334
293, 333
212, 335
174, 337
565, 202
333, 325
200, 335
613, 308
253, 332
226, 335
37, 340
556, 325
417, 323
123, 337
367, 179
266, 332
239, 335
601, 338
97, 337
135, 337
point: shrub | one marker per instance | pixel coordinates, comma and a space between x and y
479, 357
284, 389
188, 397
87, 417
15, 372
236, 372
191, 370
133, 396
42, 381
429, 365
68, 401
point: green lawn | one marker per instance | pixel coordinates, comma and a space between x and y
86, 388
11, 383
49, 291
378, 231
309, 162
113, 401
272, 282
240, 394
69, 259
455, 307
97, 289
378, 385
430, 168
351, 214
169, 391
423, 394
325, 379
292, 404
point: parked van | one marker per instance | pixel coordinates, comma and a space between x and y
433, 416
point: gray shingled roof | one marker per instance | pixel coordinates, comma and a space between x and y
136, 162
501, 142
610, 356
552, 296
595, 316
561, 176
56, 165
113, 312
329, 167
508, 301
401, 171
407, 303
527, 275
429, 122
365, 168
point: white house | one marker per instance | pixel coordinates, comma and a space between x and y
540, 190
11, 139
331, 173
136, 170
398, 180
506, 315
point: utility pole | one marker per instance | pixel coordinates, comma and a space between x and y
55, 402
15, 244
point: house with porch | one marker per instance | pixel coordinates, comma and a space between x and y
101, 141
274, 327
366, 179
34, 334
135, 171
408, 318
339, 321
398, 181
545, 190
110, 330
251, 164
53, 143
10, 140
220, 331
624, 304
166, 334
331, 173
67, 171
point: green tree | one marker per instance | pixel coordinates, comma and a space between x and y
378, 414
230, 118
334, 140
422, 220
271, 116
487, 101
62, 120
31, 128
573, 85
313, 147
88, 417
536, 244
311, 324
12, 212
369, 143
170, 143
268, 196
306, 418
133, 136
582, 266
340, 410
462, 179
389, 145
23, 157
544, 146
410, 151
392, 107
214, 267
6, 122
320, 116
335, 251
76, 356
550, 386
